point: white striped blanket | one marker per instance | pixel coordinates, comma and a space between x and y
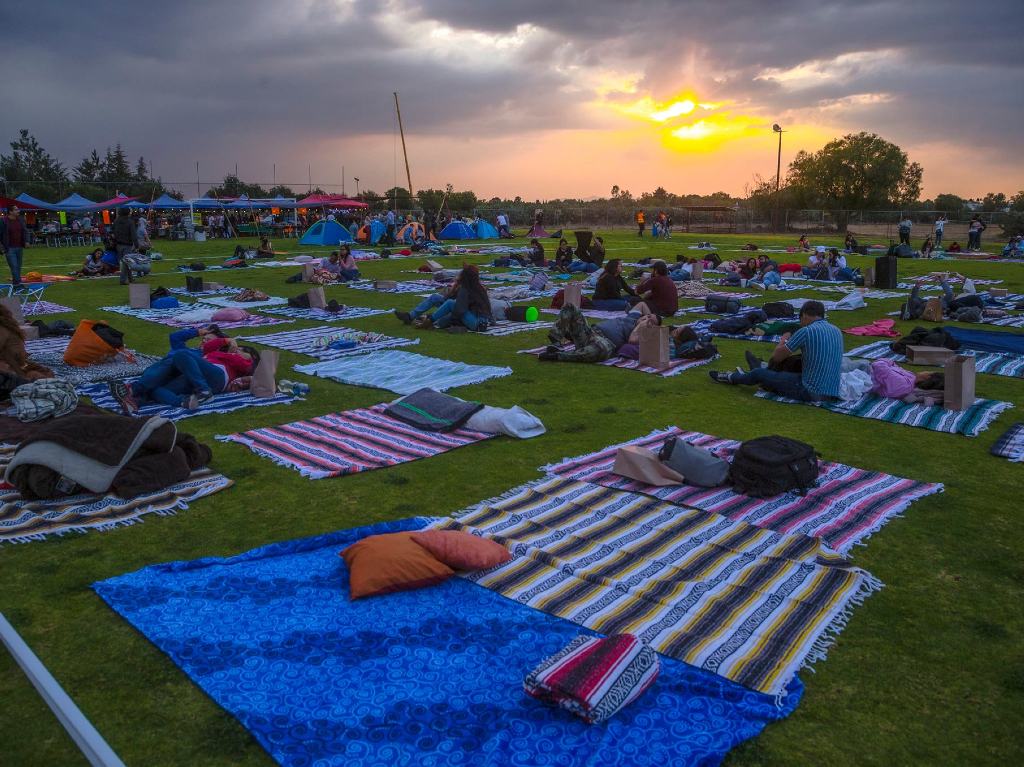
225, 291
229, 303
350, 442
322, 315
402, 372
39, 347
750, 604
704, 326
1011, 444
675, 366
227, 402
417, 287
37, 308
174, 317
50, 353
862, 292
844, 508
594, 314
993, 363
508, 328
316, 341
970, 422
1010, 321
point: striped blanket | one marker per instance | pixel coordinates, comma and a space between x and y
173, 317
750, 604
227, 402
704, 326
315, 341
322, 315
970, 422
36, 308
349, 442
22, 521
594, 314
228, 302
862, 292
419, 287
38, 348
1011, 444
675, 366
1013, 321
993, 363
507, 328
225, 291
402, 372
845, 507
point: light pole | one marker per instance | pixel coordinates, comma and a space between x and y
778, 173
356, 179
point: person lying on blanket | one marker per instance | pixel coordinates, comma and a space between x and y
967, 307
818, 378
608, 293
188, 377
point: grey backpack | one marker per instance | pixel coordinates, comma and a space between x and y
698, 466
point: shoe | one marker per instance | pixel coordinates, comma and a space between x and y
552, 349
122, 392
405, 317
758, 285
720, 377
753, 361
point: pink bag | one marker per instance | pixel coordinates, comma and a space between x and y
890, 380
230, 315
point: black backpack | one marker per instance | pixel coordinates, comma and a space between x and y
300, 301
737, 325
721, 304
776, 309
160, 292
767, 466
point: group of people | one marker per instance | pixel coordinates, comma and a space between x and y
661, 226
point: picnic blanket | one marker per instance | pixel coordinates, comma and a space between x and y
52, 357
862, 292
36, 308
315, 341
402, 372
845, 507
227, 290
970, 422
227, 402
675, 366
508, 328
173, 317
349, 442
229, 303
23, 521
704, 327
994, 363
419, 287
750, 604
431, 676
1011, 444
322, 315
594, 314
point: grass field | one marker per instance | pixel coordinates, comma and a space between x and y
928, 671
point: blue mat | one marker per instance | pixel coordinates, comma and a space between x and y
433, 676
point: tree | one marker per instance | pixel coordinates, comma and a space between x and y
399, 197
615, 191
141, 171
993, 201
30, 168
89, 169
232, 186
282, 191
430, 199
949, 203
115, 166
1017, 201
860, 171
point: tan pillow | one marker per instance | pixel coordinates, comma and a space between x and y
462, 551
382, 564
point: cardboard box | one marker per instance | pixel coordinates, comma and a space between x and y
385, 284
138, 296
29, 332
959, 386
13, 306
572, 294
654, 342
307, 271
929, 355
999, 292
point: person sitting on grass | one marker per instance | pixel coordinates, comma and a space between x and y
536, 253
659, 292
927, 247
610, 287
265, 250
817, 266
803, 243
428, 304
466, 305
563, 256
95, 266
188, 377
767, 274
820, 363
850, 243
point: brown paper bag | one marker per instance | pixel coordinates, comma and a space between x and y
29, 332
959, 388
138, 296
654, 347
307, 271
697, 270
572, 294
932, 310
264, 377
869, 276
643, 465
316, 298
13, 305
434, 266
212, 285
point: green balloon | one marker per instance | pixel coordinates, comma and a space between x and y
532, 314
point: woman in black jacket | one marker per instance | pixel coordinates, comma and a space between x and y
563, 256
470, 309
608, 295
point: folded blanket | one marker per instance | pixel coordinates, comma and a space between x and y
431, 410
595, 678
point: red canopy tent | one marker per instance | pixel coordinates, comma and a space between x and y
330, 201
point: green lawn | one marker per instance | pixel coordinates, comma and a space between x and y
927, 671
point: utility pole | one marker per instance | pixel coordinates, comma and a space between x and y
778, 174
342, 180
198, 192
401, 132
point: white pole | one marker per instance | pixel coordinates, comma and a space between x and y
86, 737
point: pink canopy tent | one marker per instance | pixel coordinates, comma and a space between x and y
330, 201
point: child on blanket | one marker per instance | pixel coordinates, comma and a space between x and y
187, 377
821, 361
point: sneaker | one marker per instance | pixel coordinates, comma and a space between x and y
758, 285
197, 399
404, 317
753, 361
720, 377
122, 392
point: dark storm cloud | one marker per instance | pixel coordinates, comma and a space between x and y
193, 79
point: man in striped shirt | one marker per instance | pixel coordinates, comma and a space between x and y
820, 363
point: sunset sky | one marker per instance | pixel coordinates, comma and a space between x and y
538, 99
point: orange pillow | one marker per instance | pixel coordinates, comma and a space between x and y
382, 564
462, 551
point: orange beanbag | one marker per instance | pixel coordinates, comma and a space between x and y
86, 347
382, 564
462, 551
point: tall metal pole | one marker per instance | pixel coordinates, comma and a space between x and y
778, 168
198, 193
401, 132
342, 180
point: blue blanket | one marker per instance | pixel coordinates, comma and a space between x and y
433, 676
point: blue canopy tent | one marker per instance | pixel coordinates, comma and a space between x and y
27, 198
325, 233
166, 202
484, 231
457, 230
75, 201
205, 203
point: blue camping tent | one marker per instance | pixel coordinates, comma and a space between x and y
377, 230
166, 202
457, 230
484, 231
325, 233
